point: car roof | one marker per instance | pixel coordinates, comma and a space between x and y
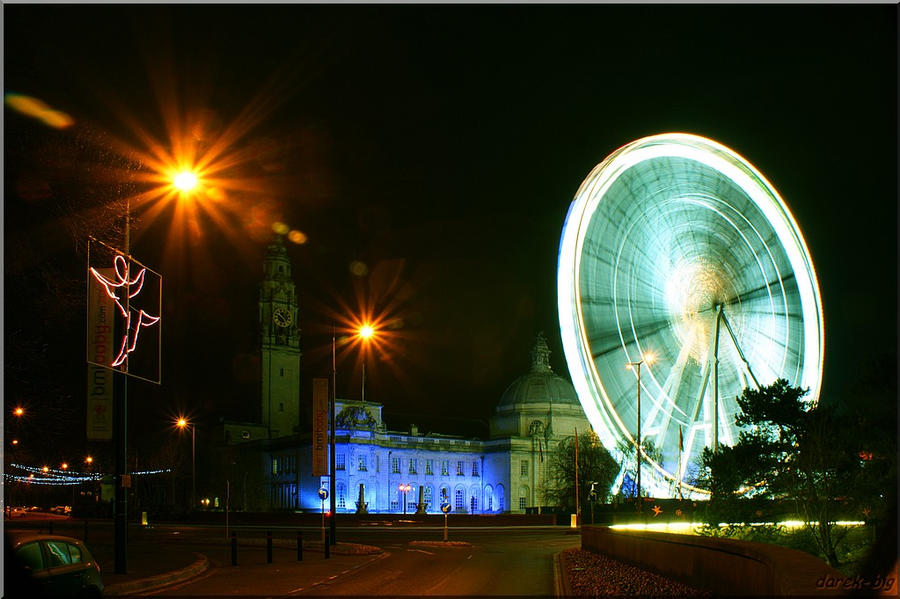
20, 537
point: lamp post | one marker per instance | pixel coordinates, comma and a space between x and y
332, 539
182, 424
404, 488
366, 332
648, 359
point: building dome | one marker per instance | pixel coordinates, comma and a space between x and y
540, 385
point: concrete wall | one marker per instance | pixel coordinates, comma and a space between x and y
722, 566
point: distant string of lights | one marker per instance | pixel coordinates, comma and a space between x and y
55, 476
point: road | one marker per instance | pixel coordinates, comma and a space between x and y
498, 561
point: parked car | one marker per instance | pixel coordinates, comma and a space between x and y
39, 565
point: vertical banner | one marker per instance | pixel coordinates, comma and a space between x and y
101, 321
320, 427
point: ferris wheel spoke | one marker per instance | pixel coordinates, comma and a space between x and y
761, 290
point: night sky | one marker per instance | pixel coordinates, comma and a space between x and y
437, 146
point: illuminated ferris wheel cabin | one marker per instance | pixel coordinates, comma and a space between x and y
678, 247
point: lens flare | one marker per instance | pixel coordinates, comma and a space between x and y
39, 110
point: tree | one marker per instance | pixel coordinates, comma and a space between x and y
629, 463
788, 450
595, 465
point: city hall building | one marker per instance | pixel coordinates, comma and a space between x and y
503, 474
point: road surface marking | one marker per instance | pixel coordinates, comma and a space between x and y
421, 551
470, 556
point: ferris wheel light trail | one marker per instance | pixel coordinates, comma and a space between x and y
675, 243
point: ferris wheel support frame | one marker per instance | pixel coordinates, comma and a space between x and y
720, 317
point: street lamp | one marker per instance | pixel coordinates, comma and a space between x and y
182, 424
19, 411
365, 332
184, 181
648, 358
404, 488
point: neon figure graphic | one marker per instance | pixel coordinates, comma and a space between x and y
143, 319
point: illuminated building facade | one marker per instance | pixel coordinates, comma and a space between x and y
502, 474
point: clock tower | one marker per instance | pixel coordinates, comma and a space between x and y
280, 343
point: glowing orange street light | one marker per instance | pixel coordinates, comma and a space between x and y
15, 441
182, 423
89, 460
365, 332
19, 411
64, 466
185, 181
45, 469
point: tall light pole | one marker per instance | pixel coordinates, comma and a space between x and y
331, 458
648, 359
182, 424
366, 332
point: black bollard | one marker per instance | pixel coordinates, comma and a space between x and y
299, 546
327, 546
234, 549
269, 547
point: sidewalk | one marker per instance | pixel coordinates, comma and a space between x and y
148, 567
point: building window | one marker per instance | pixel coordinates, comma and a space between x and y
473, 504
281, 407
281, 373
429, 466
523, 468
445, 467
412, 466
474, 468
521, 503
460, 502
341, 497
459, 468
362, 463
274, 465
395, 465
340, 461
428, 496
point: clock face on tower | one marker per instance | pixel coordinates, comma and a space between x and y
282, 317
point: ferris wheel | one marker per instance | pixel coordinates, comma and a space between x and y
680, 258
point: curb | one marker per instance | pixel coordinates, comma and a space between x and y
159, 581
561, 584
